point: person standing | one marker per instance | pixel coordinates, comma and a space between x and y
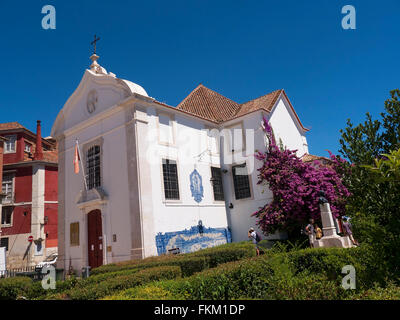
311, 232
318, 232
252, 234
347, 229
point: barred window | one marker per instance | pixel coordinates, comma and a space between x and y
170, 174
216, 179
93, 167
241, 182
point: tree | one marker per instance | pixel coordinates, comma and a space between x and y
372, 148
295, 186
363, 145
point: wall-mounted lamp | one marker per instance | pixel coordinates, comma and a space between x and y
231, 206
224, 171
46, 219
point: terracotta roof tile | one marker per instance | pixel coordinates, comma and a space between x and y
208, 104
50, 156
310, 158
265, 102
11, 125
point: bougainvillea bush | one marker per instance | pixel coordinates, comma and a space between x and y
295, 186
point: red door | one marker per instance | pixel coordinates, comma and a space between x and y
95, 239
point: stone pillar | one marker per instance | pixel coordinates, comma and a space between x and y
38, 182
329, 228
62, 261
330, 238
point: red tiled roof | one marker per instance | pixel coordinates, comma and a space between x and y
11, 125
265, 102
310, 157
208, 104
50, 156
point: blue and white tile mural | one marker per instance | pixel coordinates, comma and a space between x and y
198, 237
196, 186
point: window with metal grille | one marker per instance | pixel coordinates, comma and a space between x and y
241, 182
216, 179
4, 243
93, 167
170, 174
7, 188
6, 216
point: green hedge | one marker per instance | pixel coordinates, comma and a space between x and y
12, 288
391, 292
109, 286
369, 266
190, 262
302, 274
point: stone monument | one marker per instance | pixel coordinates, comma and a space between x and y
330, 237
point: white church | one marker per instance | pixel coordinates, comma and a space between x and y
154, 178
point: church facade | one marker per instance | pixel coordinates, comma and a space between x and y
156, 179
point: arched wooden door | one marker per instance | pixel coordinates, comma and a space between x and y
95, 239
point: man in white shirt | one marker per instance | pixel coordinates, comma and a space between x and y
311, 232
253, 236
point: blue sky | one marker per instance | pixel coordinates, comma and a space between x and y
241, 49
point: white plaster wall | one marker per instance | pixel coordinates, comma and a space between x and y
115, 213
189, 144
240, 219
285, 127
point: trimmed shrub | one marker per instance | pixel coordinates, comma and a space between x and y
190, 262
20, 288
109, 286
303, 274
330, 261
149, 292
11, 288
132, 264
391, 292
220, 255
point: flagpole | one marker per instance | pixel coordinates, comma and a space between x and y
80, 158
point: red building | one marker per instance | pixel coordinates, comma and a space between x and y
29, 192
1, 169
